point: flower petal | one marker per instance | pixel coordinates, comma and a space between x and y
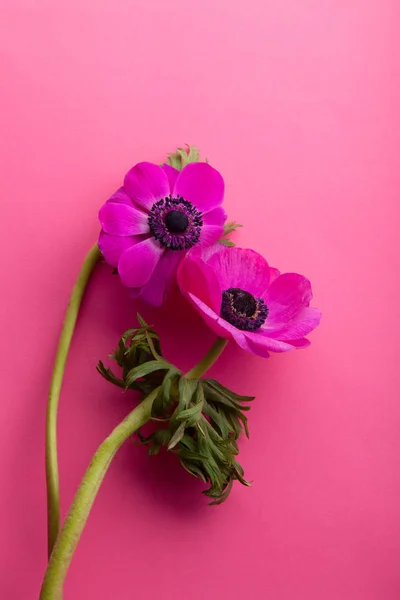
216, 217
299, 344
196, 278
112, 246
146, 183
210, 234
201, 185
285, 298
213, 226
162, 279
261, 344
137, 264
274, 274
120, 197
121, 219
240, 268
301, 325
171, 173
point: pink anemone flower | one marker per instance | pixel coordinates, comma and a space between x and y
242, 299
150, 223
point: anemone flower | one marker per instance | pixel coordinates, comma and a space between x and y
150, 223
242, 299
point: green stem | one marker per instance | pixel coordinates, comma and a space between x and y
208, 360
52, 478
78, 514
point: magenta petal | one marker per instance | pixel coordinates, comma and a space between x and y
162, 279
172, 175
299, 344
146, 183
137, 264
120, 197
239, 268
214, 322
201, 185
286, 296
273, 274
210, 234
195, 277
215, 217
112, 246
121, 219
213, 226
261, 344
301, 325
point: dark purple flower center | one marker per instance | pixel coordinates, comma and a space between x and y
175, 223
242, 310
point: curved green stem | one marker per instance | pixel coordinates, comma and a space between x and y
208, 359
52, 478
76, 519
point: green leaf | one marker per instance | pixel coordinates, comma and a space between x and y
213, 386
218, 419
178, 435
109, 375
145, 369
182, 157
186, 389
230, 227
226, 242
163, 402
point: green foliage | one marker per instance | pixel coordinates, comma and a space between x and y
139, 355
229, 228
199, 420
182, 157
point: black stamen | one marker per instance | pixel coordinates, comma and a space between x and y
243, 310
243, 302
176, 221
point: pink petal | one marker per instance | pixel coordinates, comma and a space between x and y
162, 279
261, 344
146, 183
201, 185
239, 268
112, 246
120, 197
301, 325
273, 274
299, 344
213, 226
196, 278
137, 264
121, 219
172, 175
286, 296
216, 217
214, 322
210, 234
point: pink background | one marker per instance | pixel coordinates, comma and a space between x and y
296, 102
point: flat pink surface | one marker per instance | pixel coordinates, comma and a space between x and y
297, 103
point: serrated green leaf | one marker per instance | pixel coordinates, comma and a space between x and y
109, 375
182, 157
230, 227
216, 388
227, 243
145, 369
186, 389
178, 435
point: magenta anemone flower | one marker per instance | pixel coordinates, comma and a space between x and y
150, 223
241, 298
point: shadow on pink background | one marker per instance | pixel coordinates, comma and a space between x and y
296, 103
